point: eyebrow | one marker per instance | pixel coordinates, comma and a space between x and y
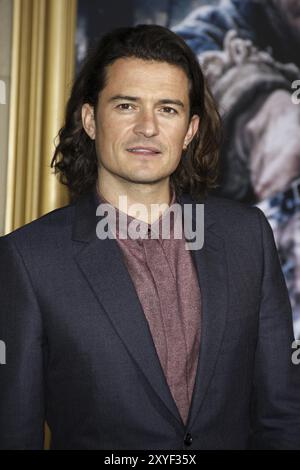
136, 98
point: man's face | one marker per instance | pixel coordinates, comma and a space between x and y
144, 105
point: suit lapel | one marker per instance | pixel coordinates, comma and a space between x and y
210, 262
102, 265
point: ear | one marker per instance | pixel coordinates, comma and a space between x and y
88, 120
192, 129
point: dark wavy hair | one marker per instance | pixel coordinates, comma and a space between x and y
75, 158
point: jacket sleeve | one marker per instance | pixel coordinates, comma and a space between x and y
276, 387
21, 376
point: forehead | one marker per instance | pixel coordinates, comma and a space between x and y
145, 77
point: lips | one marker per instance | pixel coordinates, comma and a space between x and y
144, 150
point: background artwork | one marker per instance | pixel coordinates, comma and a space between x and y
249, 52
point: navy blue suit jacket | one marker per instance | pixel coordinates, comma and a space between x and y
79, 352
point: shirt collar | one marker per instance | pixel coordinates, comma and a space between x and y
154, 228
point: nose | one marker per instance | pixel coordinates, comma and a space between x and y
146, 124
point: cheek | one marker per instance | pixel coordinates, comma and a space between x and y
108, 135
177, 143
174, 134
117, 131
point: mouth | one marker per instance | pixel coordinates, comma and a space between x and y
148, 151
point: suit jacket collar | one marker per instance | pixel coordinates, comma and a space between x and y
85, 221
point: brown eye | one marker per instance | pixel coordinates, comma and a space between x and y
124, 106
169, 110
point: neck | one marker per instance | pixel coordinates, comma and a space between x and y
158, 193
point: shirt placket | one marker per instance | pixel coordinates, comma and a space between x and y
171, 321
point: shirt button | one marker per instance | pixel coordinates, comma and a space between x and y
188, 439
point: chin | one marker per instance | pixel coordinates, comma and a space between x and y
146, 179
145, 176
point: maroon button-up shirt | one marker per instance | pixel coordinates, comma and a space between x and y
166, 282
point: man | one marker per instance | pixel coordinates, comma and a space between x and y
140, 343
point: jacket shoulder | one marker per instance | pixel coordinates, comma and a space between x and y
227, 209
46, 227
